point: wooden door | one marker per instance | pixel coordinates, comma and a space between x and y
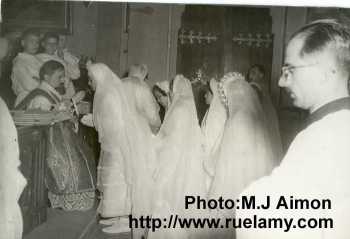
33, 200
214, 40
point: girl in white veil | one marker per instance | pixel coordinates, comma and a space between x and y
109, 119
126, 154
246, 151
212, 129
180, 161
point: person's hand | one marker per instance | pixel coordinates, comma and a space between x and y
79, 96
87, 120
64, 105
60, 53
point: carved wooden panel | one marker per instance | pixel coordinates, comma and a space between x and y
214, 40
33, 201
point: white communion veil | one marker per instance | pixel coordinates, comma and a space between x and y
272, 121
212, 129
108, 107
119, 126
12, 182
246, 151
180, 161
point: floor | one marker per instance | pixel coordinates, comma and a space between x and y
94, 232
72, 225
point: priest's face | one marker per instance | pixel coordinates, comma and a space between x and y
301, 75
56, 79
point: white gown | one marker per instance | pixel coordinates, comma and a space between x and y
126, 138
315, 167
213, 128
12, 182
180, 169
143, 101
272, 121
245, 153
25, 75
110, 117
144, 111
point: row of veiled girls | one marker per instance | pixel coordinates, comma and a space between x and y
154, 171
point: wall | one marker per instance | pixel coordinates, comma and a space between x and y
153, 38
83, 39
285, 21
278, 15
119, 37
109, 34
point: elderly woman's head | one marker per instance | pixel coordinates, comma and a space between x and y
95, 74
139, 71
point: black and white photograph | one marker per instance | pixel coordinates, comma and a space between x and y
174, 120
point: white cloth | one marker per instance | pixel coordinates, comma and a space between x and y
42, 102
25, 75
68, 84
125, 134
87, 120
180, 155
245, 153
213, 128
164, 85
72, 64
12, 182
315, 166
272, 121
110, 116
145, 119
141, 97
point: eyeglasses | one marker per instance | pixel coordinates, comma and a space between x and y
288, 70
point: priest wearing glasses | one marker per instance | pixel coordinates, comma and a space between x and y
316, 165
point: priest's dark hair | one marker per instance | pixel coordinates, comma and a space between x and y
49, 67
327, 34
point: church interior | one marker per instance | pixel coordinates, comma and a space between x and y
200, 42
